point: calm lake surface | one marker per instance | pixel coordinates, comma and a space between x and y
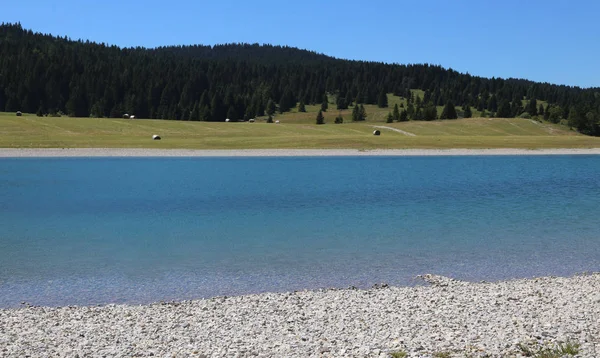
80, 231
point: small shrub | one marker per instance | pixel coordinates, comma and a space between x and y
563, 349
525, 350
525, 115
441, 354
399, 354
571, 348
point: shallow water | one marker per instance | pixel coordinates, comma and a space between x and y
111, 230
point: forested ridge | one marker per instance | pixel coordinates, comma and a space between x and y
45, 74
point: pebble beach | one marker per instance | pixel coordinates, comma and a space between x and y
442, 318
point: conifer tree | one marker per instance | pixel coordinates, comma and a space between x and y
231, 114
504, 110
410, 110
541, 110
301, 107
418, 116
516, 106
341, 103
356, 113
270, 110
320, 118
492, 104
382, 101
403, 116
449, 111
363, 113
325, 103
396, 113
532, 107
429, 112
467, 112
389, 118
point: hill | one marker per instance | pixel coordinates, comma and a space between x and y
44, 74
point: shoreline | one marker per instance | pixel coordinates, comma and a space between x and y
142, 152
458, 317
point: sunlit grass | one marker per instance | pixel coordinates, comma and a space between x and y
296, 130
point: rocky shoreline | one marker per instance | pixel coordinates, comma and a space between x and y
447, 318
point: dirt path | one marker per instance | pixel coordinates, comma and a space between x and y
397, 130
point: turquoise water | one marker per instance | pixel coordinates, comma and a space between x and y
112, 230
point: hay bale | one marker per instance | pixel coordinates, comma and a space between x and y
156, 137
276, 122
227, 120
125, 116
376, 132
251, 120
19, 114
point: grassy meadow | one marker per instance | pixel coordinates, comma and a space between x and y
295, 130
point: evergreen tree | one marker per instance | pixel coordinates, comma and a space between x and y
320, 118
396, 114
339, 119
389, 118
324, 103
410, 110
363, 113
449, 111
467, 112
270, 119
231, 114
492, 104
429, 112
504, 110
301, 107
532, 107
547, 113
403, 116
355, 113
341, 103
516, 106
382, 101
217, 109
270, 110
418, 116
286, 102
541, 110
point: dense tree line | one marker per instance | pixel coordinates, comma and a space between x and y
47, 74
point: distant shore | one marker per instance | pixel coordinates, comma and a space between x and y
448, 318
135, 152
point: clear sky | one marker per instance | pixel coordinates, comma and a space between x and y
556, 41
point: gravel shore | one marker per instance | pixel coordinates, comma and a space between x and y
133, 152
447, 316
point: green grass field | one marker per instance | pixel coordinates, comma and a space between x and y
296, 130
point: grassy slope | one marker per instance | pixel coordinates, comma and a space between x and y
297, 130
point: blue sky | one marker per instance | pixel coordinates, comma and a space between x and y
552, 41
